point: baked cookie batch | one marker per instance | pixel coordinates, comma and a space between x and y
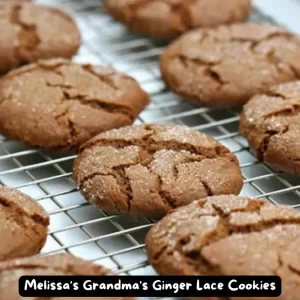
183, 178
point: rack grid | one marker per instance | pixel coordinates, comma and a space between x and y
79, 228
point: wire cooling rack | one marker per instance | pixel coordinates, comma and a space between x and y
118, 241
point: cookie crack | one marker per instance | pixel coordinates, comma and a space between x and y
270, 37
28, 39
180, 9
208, 68
296, 272
207, 188
293, 69
100, 105
72, 132
19, 213
93, 103
154, 146
188, 160
293, 111
119, 173
216, 77
264, 145
224, 229
104, 78
270, 57
198, 61
102, 174
164, 195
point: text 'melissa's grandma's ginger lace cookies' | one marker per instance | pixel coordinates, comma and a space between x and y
148, 170
58, 105
169, 18
226, 66
229, 235
271, 124
30, 32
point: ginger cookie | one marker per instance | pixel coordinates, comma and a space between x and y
148, 170
23, 225
30, 32
226, 66
271, 124
53, 265
56, 104
168, 19
229, 235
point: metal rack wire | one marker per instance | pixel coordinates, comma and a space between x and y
77, 227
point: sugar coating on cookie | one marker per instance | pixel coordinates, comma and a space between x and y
57, 104
271, 124
148, 170
229, 235
30, 32
226, 66
23, 225
53, 265
169, 18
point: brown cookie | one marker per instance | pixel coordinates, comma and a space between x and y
226, 66
169, 18
30, 32
57, 104
271, 123
229, 235
23, 225
148, 170
54, 265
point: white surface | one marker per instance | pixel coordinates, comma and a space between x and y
286, 12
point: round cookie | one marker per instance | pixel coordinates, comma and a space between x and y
23, 225
226, 66
271, 123
54, 265
229, 235
169, 18
148, 170
30, 32
56, 104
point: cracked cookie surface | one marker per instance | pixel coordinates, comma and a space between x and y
148, 170
229, 235
226, 66
170, 18
30, 32
53, 265
271, 123
23, 225
57, 104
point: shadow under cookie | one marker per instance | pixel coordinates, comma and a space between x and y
148, 170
